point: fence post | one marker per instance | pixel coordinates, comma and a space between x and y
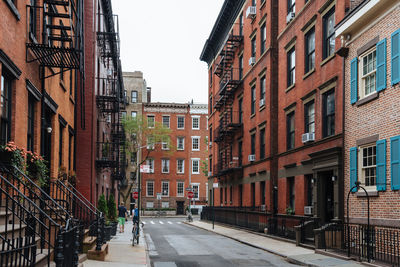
99, 240
76, 245
59, 256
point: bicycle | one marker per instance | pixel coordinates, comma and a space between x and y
189, 217
136, 232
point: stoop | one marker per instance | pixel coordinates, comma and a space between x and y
98, 255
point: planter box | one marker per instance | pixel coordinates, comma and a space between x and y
107, 233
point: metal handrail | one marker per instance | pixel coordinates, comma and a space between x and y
82, 197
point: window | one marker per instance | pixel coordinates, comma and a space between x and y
32, 19
133, 114
368, 73
329, 114
165, 165
290, 130
134, 96
240, 67
165, 143
60, 144
165, 188
240, 143
253, 99
149, 205
165, 205
241, 24
262, 143
195, 166
262, 192
149, 188
253, 2
211, 75
262, 89
253, 143
291, 191
123, 114
5, 120
150, 142
368, 165
195, 191
180, 166
165, 121
133, 176
310, 50
240, 104
181, 143
195, 143
150, 162
195, 123
210, 105
291, 6
309, 117
150, 121
181, 122
70, 151
253, 46
263, 38
291, 65
329, 34
31, 123
180, 189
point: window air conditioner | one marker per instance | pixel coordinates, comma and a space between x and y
308, 210
252, 61
308, 137
252, 158
251, 12
290, 16
210, 144
262, 207
262, 102
209, 174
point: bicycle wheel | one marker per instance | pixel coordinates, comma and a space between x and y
133, 234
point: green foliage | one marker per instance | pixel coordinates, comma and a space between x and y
289, 211
204, 167
112, 208
102, 205
36, 168
13, 154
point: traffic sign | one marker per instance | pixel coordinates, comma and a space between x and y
135, 195
190, 194
188, 189
158, 196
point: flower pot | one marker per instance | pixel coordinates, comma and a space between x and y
107, 233
114, 227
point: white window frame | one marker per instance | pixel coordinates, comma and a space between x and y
150, 162
177, 122
165, 204
162, 188
198, 123
177, 189
165, 143
362, 78
198, 142
150, 142
147, 188
163, 161
198, 168
362, 169
149, 206
177, 166
207, 192
183, 143
169, 121
198, 191
151, 125
134, 112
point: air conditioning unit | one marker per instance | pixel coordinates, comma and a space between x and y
262, 102
251, 12
209, 173
308, 210
210, 143
252, 158
290, 16
308, 137
262, 207
252, 61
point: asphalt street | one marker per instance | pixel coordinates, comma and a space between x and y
172, 243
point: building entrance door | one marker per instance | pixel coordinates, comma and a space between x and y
327, 196
180, 207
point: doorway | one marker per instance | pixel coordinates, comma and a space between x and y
180, 208
327, 196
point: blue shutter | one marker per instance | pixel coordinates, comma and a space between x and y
381, 65
381, 165
395, 56
394, 162
353, 168
353, 81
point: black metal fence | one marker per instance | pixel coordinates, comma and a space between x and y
373, 244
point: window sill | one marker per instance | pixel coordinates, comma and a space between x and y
71, 99
367, 99
262, 108
326, 60
252, 115
63, 85
13, 9
263, 4
33, 38
308, 74
290, 88
373, 193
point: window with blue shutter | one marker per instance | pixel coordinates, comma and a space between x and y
381, 165
394, 162
395, 56
353, 168
381, 65
353, 81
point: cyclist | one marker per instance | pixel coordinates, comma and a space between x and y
135, 215
122, 212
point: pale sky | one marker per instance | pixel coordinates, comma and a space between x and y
164, 40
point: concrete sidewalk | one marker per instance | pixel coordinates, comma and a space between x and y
122, 253
293, 253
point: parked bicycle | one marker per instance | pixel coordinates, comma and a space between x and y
136, 231
189, 217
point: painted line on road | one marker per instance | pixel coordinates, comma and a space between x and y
178, 222
169, 222
160, 222
152, 222
150, 246
144, 222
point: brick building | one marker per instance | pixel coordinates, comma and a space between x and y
99, 154
370, 36
172, 173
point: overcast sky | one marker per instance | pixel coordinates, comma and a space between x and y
164, 40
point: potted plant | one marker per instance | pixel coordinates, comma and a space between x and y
12, 155
72, 178
112, 214
289, 211
62, 173
102, 206
36, 168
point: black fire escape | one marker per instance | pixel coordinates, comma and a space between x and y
230, 123
110, 98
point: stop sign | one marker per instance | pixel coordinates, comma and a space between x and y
190, 194
135, 195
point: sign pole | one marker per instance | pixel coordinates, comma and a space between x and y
140, 187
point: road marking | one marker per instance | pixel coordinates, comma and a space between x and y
169, 222
144, 222
152, 222
161, 222
150, 245
178, 222
164, 264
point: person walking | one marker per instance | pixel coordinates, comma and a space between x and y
122, 212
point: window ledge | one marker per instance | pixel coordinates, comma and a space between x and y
252, 115
263, 4
290, 88
13, 9
62, 85
308, 73
262, 108
373, 193
71, 99
326, 60
367, 99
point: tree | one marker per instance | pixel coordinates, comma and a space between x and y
112, 208
139, 134
102, 205
204, 163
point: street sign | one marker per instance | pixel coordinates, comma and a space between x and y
215, 185
135, 195
188, 189
190, 194
145, 168
158, 196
